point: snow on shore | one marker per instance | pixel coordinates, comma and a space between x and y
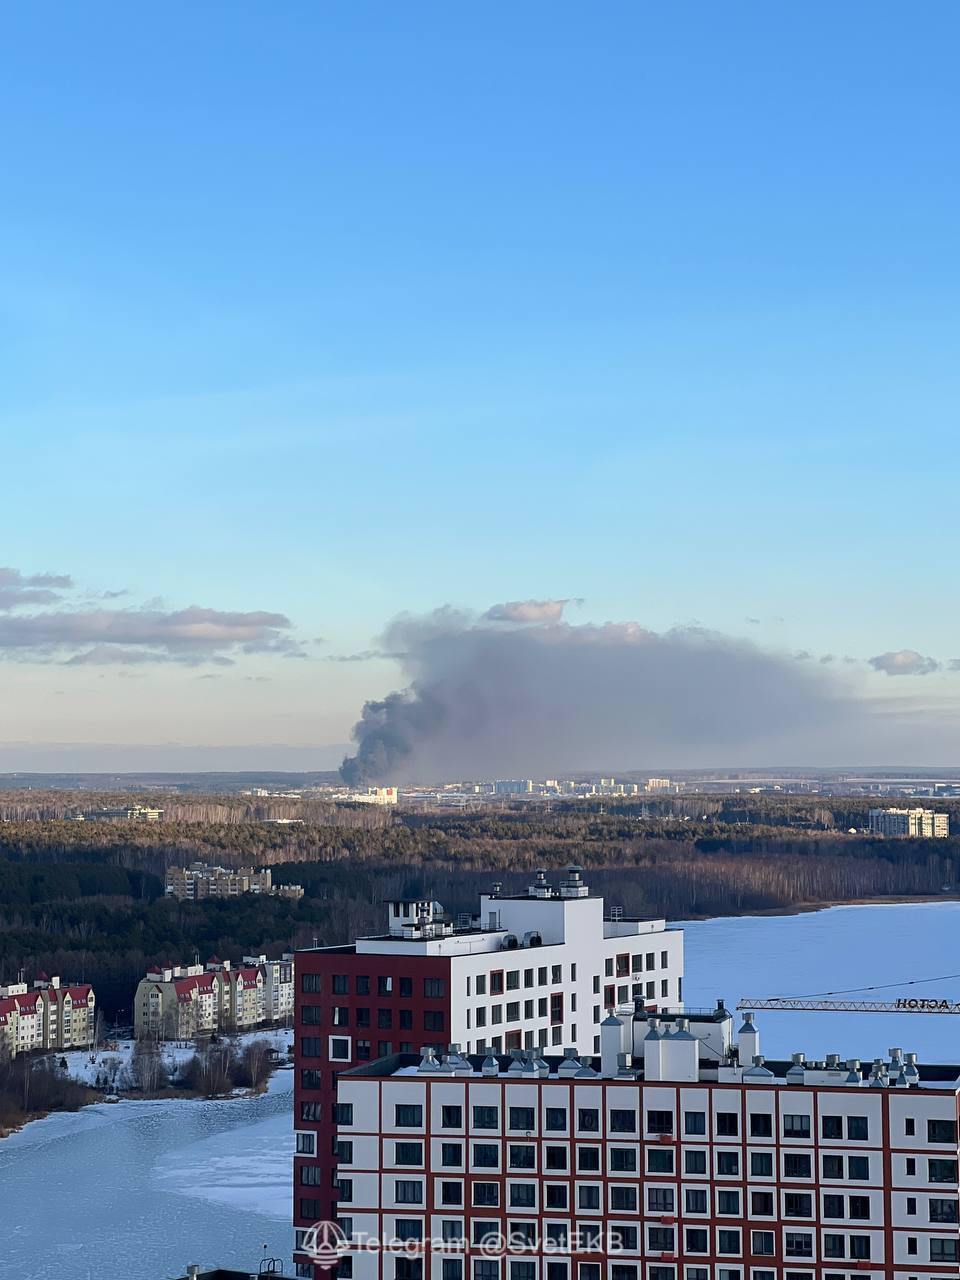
109, 1068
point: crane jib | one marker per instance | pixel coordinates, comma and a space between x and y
902, 1004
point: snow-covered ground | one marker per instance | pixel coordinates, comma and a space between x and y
109, 1068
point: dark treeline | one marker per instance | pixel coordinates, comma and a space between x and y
86, 899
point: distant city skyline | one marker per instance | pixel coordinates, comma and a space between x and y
642, 330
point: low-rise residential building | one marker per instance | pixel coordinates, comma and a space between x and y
677, 1154
50, 1015
184, 1002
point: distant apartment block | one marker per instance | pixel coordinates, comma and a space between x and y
923, 823
49, 1015
374, 795
513, 787
654, 785
199, 880
184, 1002
125, 813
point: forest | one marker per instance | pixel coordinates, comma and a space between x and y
85, 899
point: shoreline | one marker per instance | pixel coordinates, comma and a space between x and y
96, 1097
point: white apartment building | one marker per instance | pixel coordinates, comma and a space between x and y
923, 823
678, 1154
538, 968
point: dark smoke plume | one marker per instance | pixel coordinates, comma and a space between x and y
489, 700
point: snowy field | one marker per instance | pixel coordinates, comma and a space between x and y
143, 1188
110, 1067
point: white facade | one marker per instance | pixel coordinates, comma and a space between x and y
543, 967
920, 823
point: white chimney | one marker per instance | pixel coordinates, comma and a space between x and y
748, 1039
611, 1044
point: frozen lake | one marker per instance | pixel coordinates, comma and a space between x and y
139, 1189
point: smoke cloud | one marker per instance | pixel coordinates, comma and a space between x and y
485, 700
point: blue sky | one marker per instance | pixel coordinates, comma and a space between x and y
340, 310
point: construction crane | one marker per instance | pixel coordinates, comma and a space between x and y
826, 1002
903, 1005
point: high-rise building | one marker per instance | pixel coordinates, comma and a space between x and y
922, 823
534, 969
678, 1154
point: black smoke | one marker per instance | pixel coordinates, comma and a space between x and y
487, 700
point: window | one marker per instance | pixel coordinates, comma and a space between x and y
521, 1118
362, 1017
486, 1155
434, 988
343, 1113
858, 1129
522, 1157
513, 979
310, 1208
761, 1125
384, 1018
659, 1160
796, 1126
408, 1115
310, 1078
588, 1159
408, 1229
362, 985
486, 1269
860, 1207
451, 1230
450, 1269
659, 1200
942, 1131
858, 1168
406, 1020
728, 1164
339, 1049
761, 1204
451, 1117
341, 984
486, 1194
695, 1200
943, 1251
451, 1154
798, 1244
496, 983
363, 1049
558, 1270
311, 1015
761, 1164
728, 1241
523, 1233
310, 1176
728, 1202
306, 1144
797, 1165
555, 1157
911, 1167
513, 1011
797, 1204
408, 1153
941, 1171
623, 1199
485, 1117
310, 984
406, 987
626, 1121
831, 1127
555, 1118
555, 1194
588, 1196
408, 1191
761, 1242
588, 1120
694, 1162
312, 1047
434, 1020
588, 1236
832, 1166
833, 1206
523, 1270
451, 1193
659, 1121
408, 1269
942, 1210
834, 1246
860, 1248
661, 1239
696, 1240
343, 1189
728, 1124
624, 1270
694, 1122
623, 1159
